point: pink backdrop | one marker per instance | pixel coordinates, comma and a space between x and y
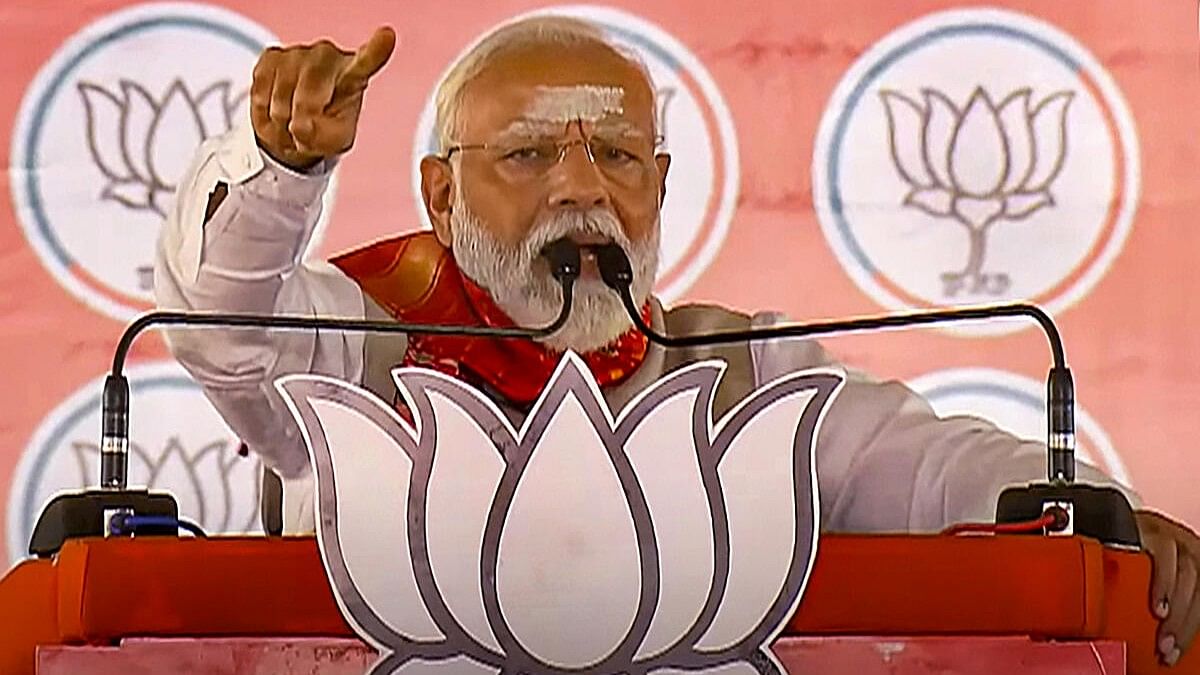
831, 159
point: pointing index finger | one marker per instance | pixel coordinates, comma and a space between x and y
370, 57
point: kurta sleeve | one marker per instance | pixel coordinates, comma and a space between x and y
886, 462
235, 241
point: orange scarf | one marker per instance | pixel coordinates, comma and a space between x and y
415, 279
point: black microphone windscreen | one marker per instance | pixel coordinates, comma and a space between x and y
614, 266
563, 255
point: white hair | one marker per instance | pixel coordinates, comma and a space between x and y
522, 33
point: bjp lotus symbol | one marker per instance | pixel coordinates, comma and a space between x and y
142, 143
978, 165
216, 486
655, 543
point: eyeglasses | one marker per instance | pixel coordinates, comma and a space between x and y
622, 158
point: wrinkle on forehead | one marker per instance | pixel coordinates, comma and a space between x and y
587, 102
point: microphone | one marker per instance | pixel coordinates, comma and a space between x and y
1096, 511
101, 512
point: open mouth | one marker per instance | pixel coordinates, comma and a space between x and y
588, 242
589, 266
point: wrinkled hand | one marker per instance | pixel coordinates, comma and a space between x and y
305, 99
1174, 592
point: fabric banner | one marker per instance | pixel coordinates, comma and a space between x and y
831, 158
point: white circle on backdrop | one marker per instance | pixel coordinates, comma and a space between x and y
109, 125
193, 455
905, 168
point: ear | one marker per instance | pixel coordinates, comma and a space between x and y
437, 191
663, 161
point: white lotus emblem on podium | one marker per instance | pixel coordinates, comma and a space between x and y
658, 542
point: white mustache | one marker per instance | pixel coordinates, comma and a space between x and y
598, 222
531, 297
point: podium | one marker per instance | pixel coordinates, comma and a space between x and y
997, 602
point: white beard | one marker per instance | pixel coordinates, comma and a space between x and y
521, 284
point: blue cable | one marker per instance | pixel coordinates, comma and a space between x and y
129, 524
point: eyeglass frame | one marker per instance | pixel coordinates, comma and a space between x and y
561, 145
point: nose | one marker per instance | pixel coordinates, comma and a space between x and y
576, 183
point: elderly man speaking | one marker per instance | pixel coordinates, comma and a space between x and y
547, 130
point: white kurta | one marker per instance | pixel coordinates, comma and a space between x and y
885, 461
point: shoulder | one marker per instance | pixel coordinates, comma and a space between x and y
696, 317
772, 358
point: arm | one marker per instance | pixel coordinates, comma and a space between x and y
887, 463
234, 242
237, 233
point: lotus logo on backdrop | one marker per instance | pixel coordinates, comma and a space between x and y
976, 155
107, 129
195, 459
658, 542
702, 186
978, 164
132, 135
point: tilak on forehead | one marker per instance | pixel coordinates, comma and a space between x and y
586, 102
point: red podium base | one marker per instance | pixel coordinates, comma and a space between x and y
996, 604
858, 655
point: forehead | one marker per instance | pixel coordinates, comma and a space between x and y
546, 86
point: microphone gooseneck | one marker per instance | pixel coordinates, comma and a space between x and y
562, 254
617, 274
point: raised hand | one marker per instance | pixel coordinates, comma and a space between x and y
306, 99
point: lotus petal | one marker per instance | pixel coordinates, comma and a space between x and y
906, 125
132, 194
673, 481
940, 123
465, 474
174, 136
87, 457
173, 472
568, 538
214, 492
236, 107
212, 109
103, 111
1024, 205
770, 493
934, 201
978, 154
1018, 134
1049, 124
141, 465
137, 116
360, 449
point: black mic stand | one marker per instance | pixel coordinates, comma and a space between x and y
100, 512
1100, 512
